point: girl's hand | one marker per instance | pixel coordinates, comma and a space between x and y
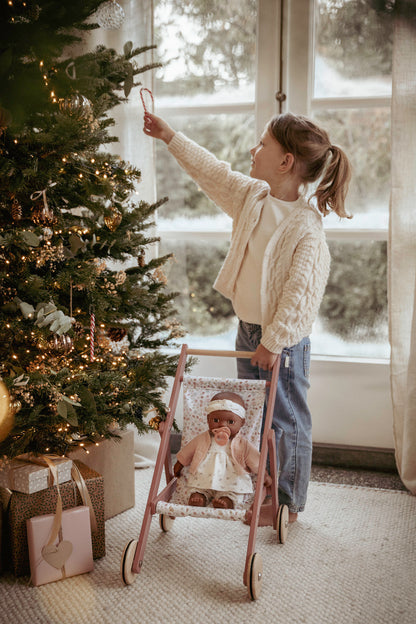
264, 358
157, 128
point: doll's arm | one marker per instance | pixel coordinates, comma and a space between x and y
177, 469
199, 446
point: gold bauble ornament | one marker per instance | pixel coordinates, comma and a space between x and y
16, 210
6, 414
154, 422
77, 106
113, 220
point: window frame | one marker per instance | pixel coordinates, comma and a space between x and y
284, 65
284, 55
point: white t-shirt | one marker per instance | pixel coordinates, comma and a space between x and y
246, 299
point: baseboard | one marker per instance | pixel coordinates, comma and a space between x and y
337, 455
358, 457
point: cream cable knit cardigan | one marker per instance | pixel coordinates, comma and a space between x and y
296, 262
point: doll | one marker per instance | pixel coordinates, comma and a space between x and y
220, 459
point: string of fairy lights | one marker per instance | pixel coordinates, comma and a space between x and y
80, 362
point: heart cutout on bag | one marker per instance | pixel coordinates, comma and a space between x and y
57, 555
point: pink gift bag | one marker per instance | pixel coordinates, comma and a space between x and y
60, 543
69, 554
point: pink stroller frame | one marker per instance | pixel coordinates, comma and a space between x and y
165, 502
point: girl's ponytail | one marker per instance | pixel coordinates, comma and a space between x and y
332, 188
316, 159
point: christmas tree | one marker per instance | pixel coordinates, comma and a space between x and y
84, 313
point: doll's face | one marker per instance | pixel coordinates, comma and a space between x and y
224, 418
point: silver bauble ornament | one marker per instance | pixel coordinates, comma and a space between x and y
110, 15
77, 106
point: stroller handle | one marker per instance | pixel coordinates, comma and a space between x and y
239, 354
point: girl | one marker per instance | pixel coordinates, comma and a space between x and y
277, 266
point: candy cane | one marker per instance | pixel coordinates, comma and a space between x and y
142, 91
92, 331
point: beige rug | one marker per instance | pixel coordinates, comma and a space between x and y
351, 559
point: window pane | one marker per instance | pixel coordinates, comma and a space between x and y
207, 50
230, 138
353, 315
353, 49
364, 134
204, 313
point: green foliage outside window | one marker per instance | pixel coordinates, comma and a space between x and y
202, 309
358, 37
354, 305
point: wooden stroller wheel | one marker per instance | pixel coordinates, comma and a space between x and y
282, 523
127, 561
254, 576
166, 522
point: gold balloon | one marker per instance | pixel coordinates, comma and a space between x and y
6, 414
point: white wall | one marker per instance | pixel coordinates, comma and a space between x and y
350, 408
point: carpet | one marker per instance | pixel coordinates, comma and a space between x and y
350, 559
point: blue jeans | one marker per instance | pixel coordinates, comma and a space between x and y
292, 421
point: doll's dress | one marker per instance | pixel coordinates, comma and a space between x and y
217, 471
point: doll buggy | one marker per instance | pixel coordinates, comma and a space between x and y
170, 503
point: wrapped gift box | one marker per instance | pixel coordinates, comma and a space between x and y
4, 501
24, 476
114, 460
68, 556
22, 506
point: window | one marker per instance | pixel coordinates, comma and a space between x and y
206, 89
351, 92
334, 65
332, 61
230, 71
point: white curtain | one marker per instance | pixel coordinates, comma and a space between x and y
134, 146
402, 248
